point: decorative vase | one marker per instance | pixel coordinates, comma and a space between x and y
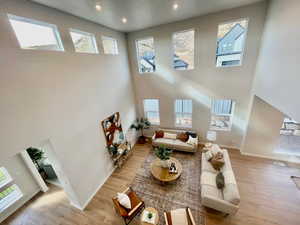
164, 163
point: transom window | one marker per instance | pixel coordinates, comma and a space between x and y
230, 43
151, 110
146, 55
221, 114
36, 35
84, 42
183, 43
183, 112
110, 45
9, 192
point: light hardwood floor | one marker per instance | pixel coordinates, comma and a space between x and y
268, 197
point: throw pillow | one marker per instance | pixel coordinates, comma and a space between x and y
192, 141
124, 200
192, 134
159, 134
183, 137
209, 155
220, 181
170, 135
217, 161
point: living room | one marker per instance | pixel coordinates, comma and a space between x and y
209, 76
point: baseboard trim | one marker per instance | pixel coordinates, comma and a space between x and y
269, 157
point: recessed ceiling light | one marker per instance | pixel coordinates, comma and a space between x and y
98, 7
175, 6
124, 20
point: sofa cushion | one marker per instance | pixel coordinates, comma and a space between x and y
182, 145
164, 141
192, 141
208, 190
231, 194
208, 155
206, 166
217, 161
192, 134
170, 135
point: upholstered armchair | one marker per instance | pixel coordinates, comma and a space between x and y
136, 206
179, 217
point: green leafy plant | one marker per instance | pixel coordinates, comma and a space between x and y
36, 155
163, 153
141, 124
150, 215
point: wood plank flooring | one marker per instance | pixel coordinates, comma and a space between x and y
268, 197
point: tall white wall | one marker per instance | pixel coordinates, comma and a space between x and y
206, 81
278, 72
62, 96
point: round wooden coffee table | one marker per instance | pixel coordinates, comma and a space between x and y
154, 211
162, 174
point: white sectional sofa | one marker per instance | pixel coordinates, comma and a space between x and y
174, 144
225, 200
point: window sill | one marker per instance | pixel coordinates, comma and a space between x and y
220, 129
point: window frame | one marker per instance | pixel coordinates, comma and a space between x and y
91, 35
244, 44
138, 55
9, 200
231, 115
173, 47
145, 112
175, 114
114, 40
40, 23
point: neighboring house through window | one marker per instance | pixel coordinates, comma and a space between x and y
221, 114
230, 43
84, 42
183, 44
146, 55
151, 110
35, 35
183, 112
9, 192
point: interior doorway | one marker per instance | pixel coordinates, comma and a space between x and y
289, 139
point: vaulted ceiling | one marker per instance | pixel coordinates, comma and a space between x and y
140, 14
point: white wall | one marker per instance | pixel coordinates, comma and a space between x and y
277, 75
263, 130
206, 80
62, 96
23, 178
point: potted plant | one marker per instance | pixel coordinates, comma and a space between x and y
113, 149
164, 155
141, 124
36, 156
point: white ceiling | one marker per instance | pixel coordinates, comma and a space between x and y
140, 14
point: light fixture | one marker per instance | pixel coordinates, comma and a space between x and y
98, 7
124, 20
175, 6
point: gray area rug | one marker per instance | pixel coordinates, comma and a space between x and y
184, 192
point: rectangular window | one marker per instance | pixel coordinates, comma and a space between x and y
110, 45
151, 110
146, 55
221, 114
32, 34
84, 42
183, 112
231, 42
9, 192
184, 45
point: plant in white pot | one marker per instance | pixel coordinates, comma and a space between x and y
164, 155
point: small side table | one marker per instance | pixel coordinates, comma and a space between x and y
154, 211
